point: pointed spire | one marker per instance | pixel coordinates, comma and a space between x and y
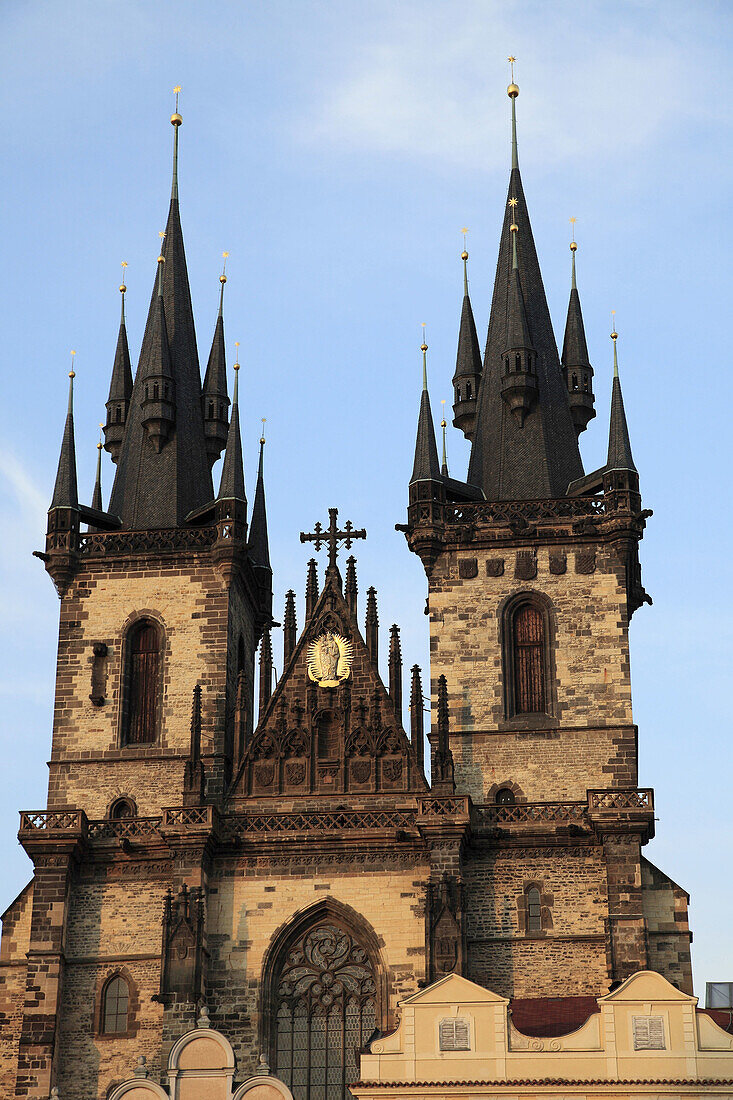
214, 396
516, 456
444, 461
426, 466
575, 362
619, 444
467, 375
259, 547
311, 590
290, 627
395, 668
372, 626
176, 122
159, 488
97, 493
193, 772
417, 728
65, 494
120, 388
231, 486
442, 772
351, 589
156, 375
265, 670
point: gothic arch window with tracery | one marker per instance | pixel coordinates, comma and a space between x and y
142, 681
324, 1009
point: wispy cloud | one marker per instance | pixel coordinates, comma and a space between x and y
428, 83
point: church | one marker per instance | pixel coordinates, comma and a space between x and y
286, 889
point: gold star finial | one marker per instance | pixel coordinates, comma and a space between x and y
443, 422
223, 276
176, 92
513, 202
573, 245
123, 288
614, 334
236, 354
423, 346
511, 61
262, 437
72, 373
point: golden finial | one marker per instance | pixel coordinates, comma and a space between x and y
236, 354
262, 437
573, 245
464, 254
614, 334
176, 119
423, 346
72, 372
514, 228
512, 91
99, 445
223, 276
123, 288
443, 422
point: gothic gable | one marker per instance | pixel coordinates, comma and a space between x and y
330, 727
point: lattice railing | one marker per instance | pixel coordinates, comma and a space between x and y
124, 828
187, 815
321, 822
442, 807
51, 821
640, 798
504, 511
530, 813
170, 541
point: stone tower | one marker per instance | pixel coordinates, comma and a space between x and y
533, 575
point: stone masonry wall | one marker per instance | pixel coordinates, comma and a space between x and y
568, 957
592, 685
189, 599
665, 913
15, 942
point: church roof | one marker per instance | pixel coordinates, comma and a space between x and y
540, 457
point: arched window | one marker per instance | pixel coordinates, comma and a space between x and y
323, 1010
534, 910
529, 660
115, 1006
122, 808
143, 661
505, 797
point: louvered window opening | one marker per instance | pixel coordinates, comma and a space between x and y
325, 1008
144, 665
529, 661
115, 1007
534, 911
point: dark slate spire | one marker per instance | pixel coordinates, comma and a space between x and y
65, 494
158, 398
426, 467
372, 626
539, 457
519, 368
444, 459
619, 444
231, 486
575, 362
155, 489
120, 389
467, 377
259, 547
97, 494
265, 670
441, 770
214, 398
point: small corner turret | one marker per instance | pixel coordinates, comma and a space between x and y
575, 362
427, 488
120, 389
467, 376
214, 396
62, 529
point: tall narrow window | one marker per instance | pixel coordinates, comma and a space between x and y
143, 677
324, 1010
115, 1006
534, 910
529, 660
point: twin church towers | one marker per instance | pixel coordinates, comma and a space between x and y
286, 858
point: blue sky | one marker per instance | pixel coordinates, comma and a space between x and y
336, 149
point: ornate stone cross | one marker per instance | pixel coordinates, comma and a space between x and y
332, 536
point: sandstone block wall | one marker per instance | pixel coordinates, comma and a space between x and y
202, 621
591, 681
668, 930
568, 957
15, 940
